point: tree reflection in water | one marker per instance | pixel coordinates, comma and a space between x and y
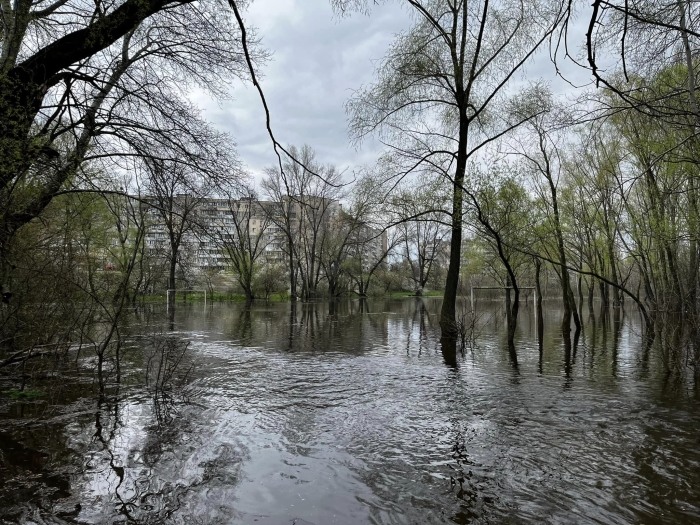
357, 409
137, 462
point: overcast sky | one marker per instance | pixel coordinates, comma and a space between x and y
318, 59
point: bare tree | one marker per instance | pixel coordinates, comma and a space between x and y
106, 85
175, 196
501, 218
641, 39
435, 98
423, 226
543, 158
307, 193
369, 252
362, 207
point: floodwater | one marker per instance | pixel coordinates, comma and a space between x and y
350, 413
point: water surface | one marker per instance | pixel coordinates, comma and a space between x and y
350, 413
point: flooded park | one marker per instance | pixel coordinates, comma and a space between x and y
350, 412
349, 262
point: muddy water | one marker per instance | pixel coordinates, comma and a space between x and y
350, 413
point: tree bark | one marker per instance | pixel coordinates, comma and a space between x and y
538, 306
448, 313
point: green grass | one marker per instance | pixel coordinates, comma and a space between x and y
198, 297
18, 395
279, 298
400, 295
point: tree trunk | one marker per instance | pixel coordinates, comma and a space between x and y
292, 274
580, 295
332, 285
613, 271
509, 312
448, 313
171, 280
567, 292
693, 231
538, 306
513, 321
604, 296
248, 295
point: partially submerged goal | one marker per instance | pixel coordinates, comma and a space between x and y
503, 288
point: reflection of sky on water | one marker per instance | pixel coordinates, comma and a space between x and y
354, 416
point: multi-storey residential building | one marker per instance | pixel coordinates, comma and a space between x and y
214, 222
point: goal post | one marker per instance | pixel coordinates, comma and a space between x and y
503, 288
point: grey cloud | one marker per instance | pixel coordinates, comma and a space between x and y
318, 59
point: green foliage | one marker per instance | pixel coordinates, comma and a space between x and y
269, 280
502, 218
22, 395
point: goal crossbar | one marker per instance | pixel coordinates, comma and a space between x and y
503, 288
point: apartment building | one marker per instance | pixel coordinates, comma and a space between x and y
211, 222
